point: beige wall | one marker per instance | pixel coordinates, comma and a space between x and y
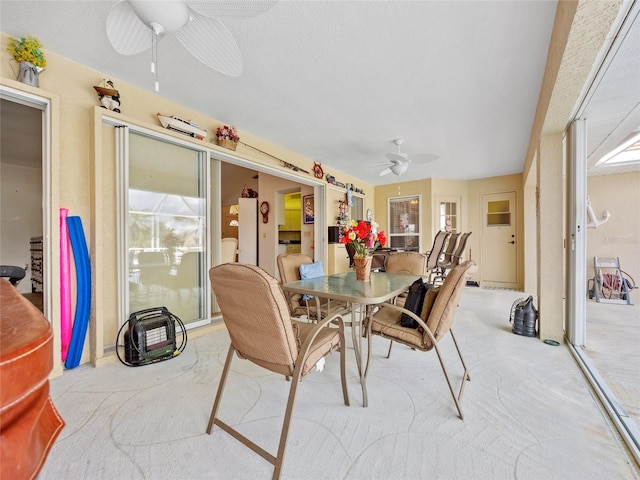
403, 189
476, 190
83, 173
20, 197
470, 193
620, 235
268, 186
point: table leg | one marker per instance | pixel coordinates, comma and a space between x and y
356, 334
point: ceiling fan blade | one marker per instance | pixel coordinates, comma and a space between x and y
397, 157
126, 32
209, 41
385, 171
424, 157
231, 8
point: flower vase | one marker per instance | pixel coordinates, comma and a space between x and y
226, 143
29, 74
363, 267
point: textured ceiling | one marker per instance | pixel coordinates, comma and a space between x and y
337, 81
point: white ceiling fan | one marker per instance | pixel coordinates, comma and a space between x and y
400, 161
134, 26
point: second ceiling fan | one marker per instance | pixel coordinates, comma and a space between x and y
399, 162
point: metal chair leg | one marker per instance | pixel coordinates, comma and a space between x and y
223, 380
457, 399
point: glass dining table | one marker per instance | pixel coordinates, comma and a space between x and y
361, 296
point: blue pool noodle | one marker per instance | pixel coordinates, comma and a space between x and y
83, 293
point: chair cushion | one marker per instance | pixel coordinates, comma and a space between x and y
445, 305
429, 301
386, 322
327, 340
311, 270
413, 303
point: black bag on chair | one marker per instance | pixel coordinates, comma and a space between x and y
413, 303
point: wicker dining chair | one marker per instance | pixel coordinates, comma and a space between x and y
435, 321
264, 333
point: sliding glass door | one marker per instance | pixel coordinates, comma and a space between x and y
166, 227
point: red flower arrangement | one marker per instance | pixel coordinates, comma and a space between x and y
364, 237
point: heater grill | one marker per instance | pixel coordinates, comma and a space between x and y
150, 337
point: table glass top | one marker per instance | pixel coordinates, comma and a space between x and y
344, 286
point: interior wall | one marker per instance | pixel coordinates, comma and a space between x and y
471, 192
83, 171
307, 243
456, 188
403, 189
476, 189
268, 186
20, 216
530, 213
550, 231
620, 235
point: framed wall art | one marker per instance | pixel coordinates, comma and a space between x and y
307, 209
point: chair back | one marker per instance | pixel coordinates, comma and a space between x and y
351, 251
229, 249
410, 263
256, 314
289, 270
289, 266
450, 248
462, 243
436, 249
442, 313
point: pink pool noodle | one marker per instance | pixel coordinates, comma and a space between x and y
65, 284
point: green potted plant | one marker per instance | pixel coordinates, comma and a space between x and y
27, 52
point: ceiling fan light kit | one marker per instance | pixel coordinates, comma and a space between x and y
400, 161
399, 169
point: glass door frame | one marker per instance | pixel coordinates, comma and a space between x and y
122, 174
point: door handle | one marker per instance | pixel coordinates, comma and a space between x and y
512, 242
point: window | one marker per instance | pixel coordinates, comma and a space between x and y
498, 213
404, 223
448, 216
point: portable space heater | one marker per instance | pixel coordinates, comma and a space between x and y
150, 337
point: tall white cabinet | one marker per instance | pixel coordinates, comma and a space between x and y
248, 230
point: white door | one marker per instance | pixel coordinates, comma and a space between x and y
499, 240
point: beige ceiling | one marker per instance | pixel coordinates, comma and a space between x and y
337, 81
